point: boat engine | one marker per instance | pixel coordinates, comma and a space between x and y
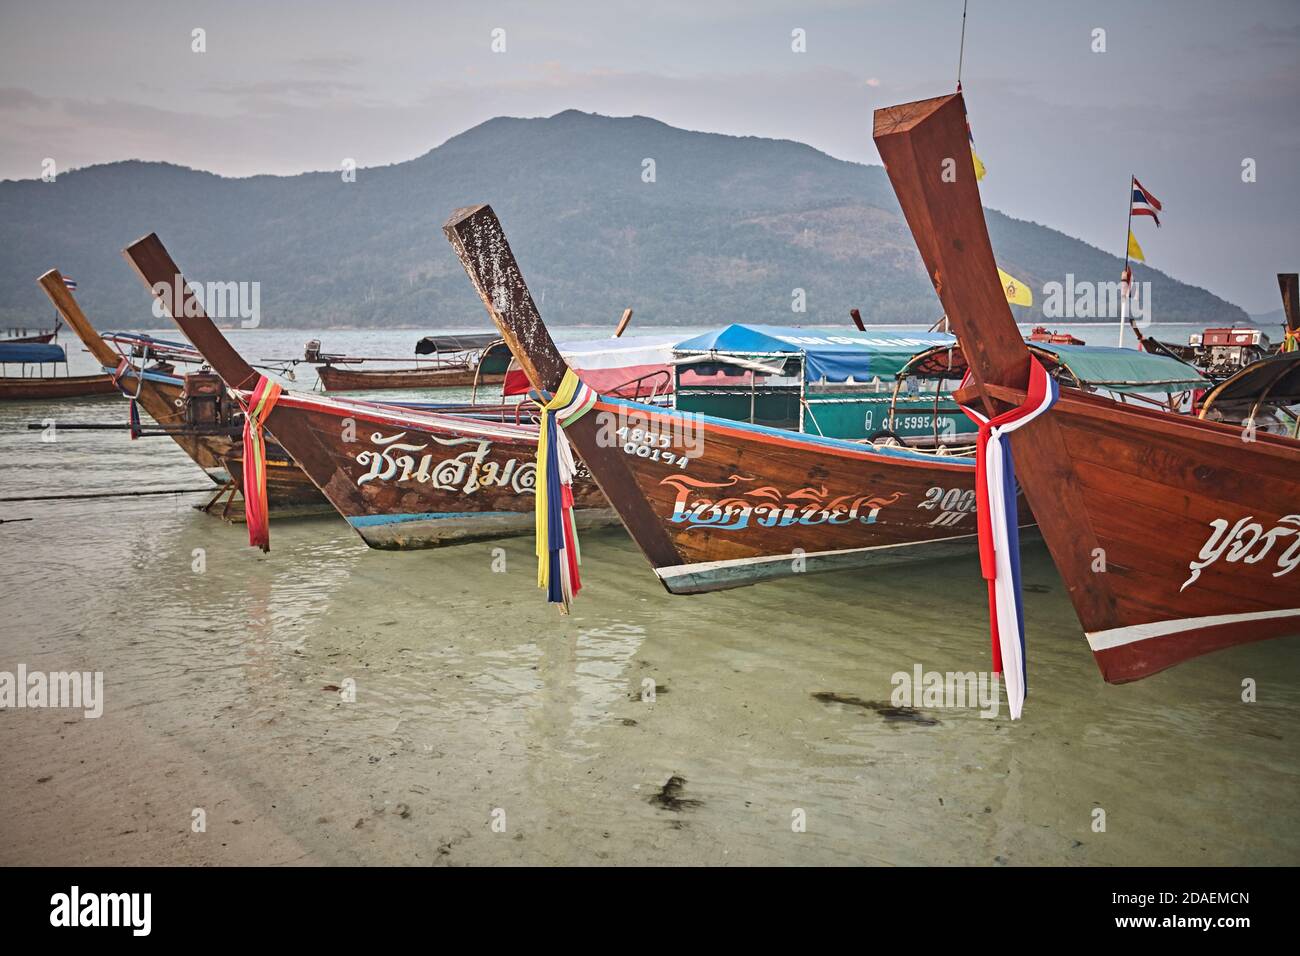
312, 352
205, 401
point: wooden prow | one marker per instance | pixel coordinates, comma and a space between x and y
856, 316
926, 150
162, 276
480, 243
1289, 284
936, 186
622, 323
70, 312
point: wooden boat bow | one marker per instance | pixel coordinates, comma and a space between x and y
1148, 515
155, 267
54, 286
480, 243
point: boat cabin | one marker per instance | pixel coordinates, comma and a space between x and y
836, 384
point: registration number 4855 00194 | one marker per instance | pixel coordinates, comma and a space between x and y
650, 445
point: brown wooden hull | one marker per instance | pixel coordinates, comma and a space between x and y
716, 504
59, 386
416, 480
1175, 536
336, 379
401, 478
743, 504
160, 397
287, 486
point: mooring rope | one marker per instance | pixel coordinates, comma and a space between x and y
111, 494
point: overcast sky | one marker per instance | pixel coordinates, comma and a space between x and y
1183, 93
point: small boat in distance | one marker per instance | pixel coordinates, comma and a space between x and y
22, 336
1174, 536
37, 355
458, 361
1043, 336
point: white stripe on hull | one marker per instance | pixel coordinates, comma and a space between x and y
1119, 636
704, 567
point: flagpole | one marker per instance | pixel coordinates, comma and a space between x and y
961, 50
1125, 288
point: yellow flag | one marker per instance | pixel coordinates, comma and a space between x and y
1134, 250
1017, 292
979, 165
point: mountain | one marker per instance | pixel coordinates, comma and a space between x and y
728, 229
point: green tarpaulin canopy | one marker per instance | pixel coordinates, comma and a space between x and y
1116, 369
1125, 370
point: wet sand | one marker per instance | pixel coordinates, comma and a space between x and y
487, 729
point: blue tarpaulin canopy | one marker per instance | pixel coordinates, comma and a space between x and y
31, 352
829, 355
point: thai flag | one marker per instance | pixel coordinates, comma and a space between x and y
70, 284
1145, 204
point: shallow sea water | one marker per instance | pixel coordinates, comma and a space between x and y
488, 729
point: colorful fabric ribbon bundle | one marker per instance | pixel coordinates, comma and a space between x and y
998, 524
557, 538
260, 403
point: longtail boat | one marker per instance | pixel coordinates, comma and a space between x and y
402, 477
22, 336
1175, 536
718, 504
190, 409
1046, 336
458, 361
21, 347
26, 354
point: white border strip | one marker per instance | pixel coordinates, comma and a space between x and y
1119, 636
679, 570
393, 416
